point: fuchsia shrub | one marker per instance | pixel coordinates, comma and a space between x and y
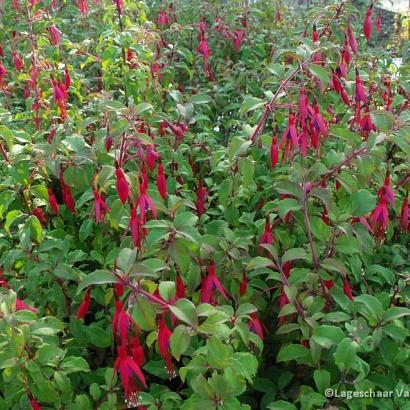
201, 207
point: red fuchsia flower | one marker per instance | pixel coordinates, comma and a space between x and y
119, 5
303, 104
52, 201
164, 335
315, 34
202, 26
21, 305
67, 78
347, 289
201, 195
60, 97
137, 231
364, 222
329, 283
151, 157
341, 70
379, 219
238, 38
210, 283
136, 351
39, 214
274, 152
122, 185
267, 235
67, 195
18, 62
345, 97
54, 35
366, 124
351, 38
131, 375
100, 206
83, 6
283, 299
243, 287
203, 48
1, 50
255, 325
144, 201
84, 305
121, 323
360, 93
180, 287
51, 135
367, 24
108, 143
303, 141
162, 182
179, 129
386, 190
346, 56
336, 82
118, 290
379, 23
35, 404
318, 121
15, 4
278, 16
3, 73
162, 19
289, 138
404, 215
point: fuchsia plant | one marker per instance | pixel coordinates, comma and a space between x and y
207, 207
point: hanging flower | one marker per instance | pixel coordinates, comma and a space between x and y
274, 152
54, 35
122, 185
255, 325
84, 305
238, 38
243, 287
404, 215
267, 235
162, 19
39, 214
201, 195
52, 201
129, 369
379, 23
367, 24
161, 182
347, 289
164, 335
18, 62
209, 284
100, 207
360, 93
351, 38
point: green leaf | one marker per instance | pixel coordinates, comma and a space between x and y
321, 72
36, 230
200, 98
184, 310
98, 277
75, 364
180, 341
126, 259
167, 290
293, 254
322, 379
281, 405
345, 354
144, 314
251, 104
362, 202
185, 219
247, 169
327, 336
370, 307
218, 353
291, 352
287, 205
394, 313
11, 217
258, 262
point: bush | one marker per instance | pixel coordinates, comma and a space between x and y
202, 206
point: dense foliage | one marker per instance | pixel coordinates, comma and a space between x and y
202, 206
